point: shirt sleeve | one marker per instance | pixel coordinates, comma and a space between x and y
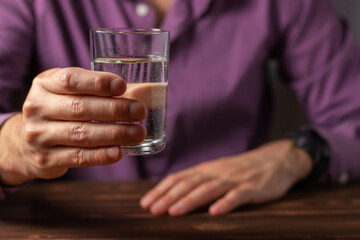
16, 41
322, 63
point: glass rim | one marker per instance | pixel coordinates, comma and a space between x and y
130, 30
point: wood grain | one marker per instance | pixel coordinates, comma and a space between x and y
110, 210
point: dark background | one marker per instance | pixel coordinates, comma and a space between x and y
350, 9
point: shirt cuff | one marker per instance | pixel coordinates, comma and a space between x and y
4, 117
345, 152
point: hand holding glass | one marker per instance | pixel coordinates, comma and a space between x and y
140, 56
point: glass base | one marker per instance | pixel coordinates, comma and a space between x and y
148, 146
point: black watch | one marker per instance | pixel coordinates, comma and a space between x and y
318, 149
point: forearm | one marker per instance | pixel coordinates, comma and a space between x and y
301, 161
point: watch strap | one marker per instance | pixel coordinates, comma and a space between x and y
319, 150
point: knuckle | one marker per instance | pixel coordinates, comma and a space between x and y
228, 202
78, 107
100, 157
119, 134
116, 133
172, 178
245, 190
188, 182
41, 160
30, 107
166, 200
101, 83
114, 108
207, 186
171, 197
66, 78
225, 183
236, 193
38, 79
31, 134
78, 157
152, 194
118, 108
186, 201
45, 74
78, 133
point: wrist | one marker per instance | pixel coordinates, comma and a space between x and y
303, 161
317, 148
11, 168
295, 162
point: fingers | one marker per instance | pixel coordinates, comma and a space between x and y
233, 199
87, 108
77, 97
256, 177
68, 157
153, 95
59, 114
83, 134
181, 189
203, 194
81, 81
177, 197
160, 189
181, 194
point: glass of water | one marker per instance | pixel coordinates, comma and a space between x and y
140, 56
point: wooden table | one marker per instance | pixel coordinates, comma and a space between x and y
94, 210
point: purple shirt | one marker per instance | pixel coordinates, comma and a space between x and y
218, 95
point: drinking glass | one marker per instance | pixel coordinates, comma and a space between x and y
140, 56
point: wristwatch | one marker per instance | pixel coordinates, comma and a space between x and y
319, 150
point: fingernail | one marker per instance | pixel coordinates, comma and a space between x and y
113, 153
118, 86
177, 209
145, 202
137, 111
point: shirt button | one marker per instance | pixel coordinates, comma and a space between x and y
142, 9
344, 178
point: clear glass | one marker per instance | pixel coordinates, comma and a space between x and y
141, 57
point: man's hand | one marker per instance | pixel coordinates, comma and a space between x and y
60, 127
260, 175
